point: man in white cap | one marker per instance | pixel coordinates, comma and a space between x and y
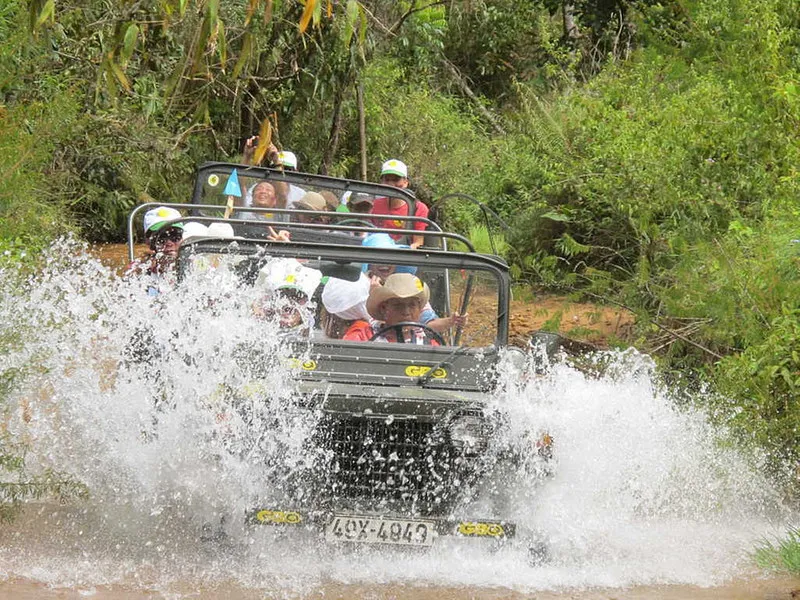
395, 173
163, 236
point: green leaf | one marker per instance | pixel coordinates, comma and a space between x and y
362, 30
213, 13
570, 247
244, 55
317, 17
350, 21
129, 43
555, 216
48, 12
120, 76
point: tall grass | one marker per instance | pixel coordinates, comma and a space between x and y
781, 555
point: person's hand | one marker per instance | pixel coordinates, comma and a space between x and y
459, 321
279, 236
249, 149
272, 155
375, 281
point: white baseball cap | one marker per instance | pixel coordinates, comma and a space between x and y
156, 218
287, 159
222, 230
394, 167
194, 229
288, 274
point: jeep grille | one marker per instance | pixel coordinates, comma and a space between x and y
399, 465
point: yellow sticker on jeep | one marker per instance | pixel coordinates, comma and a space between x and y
420, 370
473, 529
306, 365
278, 517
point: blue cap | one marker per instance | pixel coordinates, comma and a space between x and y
384, 240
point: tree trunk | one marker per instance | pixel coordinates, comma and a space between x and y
333, 137
462, 83
568, 14
362, 131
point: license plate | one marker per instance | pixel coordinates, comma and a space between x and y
372, 530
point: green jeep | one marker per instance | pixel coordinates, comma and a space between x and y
409, 435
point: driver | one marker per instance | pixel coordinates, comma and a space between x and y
399, 300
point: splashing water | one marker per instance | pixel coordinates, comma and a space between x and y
125, 393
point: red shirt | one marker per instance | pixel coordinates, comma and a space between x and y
359, 331
381, 207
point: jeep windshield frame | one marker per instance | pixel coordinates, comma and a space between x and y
381, 364
208, 170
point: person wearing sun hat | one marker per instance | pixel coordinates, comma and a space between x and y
395, 173
311, 201
287, 288
345, 302
400, 299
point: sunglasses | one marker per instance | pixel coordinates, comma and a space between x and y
171, 234
285, 304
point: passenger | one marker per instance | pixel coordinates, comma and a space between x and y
360, 203
330, 200
263, 195
395, 174
400, 299
312, 201
378, 273
345, 302
164, 239
287, 193
355, 203
288, 287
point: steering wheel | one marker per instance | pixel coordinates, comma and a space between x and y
398, 327
352, 221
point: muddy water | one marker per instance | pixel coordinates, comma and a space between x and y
644, 501
770, 589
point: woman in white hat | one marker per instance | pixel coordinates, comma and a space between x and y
345, 303
396, 307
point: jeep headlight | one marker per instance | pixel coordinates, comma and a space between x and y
466, 432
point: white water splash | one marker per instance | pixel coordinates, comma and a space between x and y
642, 491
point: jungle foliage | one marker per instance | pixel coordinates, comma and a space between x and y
643, 151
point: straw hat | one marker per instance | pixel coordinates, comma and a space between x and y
312, 201
398, 285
